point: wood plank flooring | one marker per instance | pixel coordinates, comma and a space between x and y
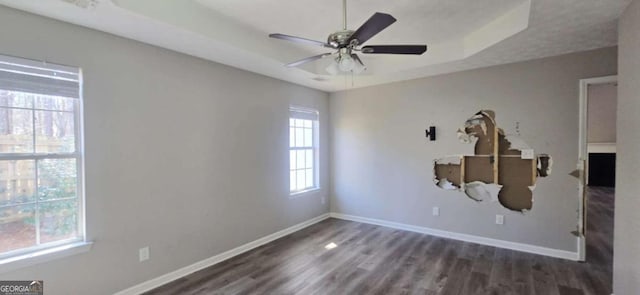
372, 259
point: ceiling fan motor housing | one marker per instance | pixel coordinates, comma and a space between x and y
339, 39
347, 41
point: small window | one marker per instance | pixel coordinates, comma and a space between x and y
41, 194
303, 150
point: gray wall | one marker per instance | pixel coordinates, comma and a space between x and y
601, 117
626, 266
382, 162
183, 155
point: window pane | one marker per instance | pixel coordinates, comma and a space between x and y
17, 182
292, 180
309, 177
300, 159
308, 137
39, 200
292, 160
17, 227
54, 132
58, 220
309, 160
16, 131
15, 99
54, 103
292, 137
299, 137
57, 179
300, 179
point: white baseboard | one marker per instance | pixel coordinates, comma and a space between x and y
464, 237
174, 275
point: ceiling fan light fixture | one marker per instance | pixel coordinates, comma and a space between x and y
346, 63
347, 41
333, 68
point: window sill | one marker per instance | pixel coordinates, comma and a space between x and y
301, 193
20, 261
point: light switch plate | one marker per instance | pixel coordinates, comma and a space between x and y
436, 211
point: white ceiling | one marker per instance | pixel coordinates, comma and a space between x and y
421, 21
461, 34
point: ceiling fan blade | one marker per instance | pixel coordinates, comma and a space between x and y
306, 60
374, 25
357, 59
300, 40
394, 49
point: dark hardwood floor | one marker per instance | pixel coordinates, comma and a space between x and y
371, 259
600, 201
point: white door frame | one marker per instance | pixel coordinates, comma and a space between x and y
583, 157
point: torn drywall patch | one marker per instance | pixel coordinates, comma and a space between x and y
516, 176
445, 184
465, 137
481, 191
449, 160
448, 173
545, 163
478, 168
516, 143
498, 170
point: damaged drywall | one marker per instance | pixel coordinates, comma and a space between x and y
498, 170
545, 162
449, 170
481, 191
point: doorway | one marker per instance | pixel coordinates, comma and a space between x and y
597, 156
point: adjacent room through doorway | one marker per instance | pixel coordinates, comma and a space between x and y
601, 102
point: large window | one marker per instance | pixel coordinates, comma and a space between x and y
41, 195
303, 150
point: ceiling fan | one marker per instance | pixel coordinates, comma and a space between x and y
347, 42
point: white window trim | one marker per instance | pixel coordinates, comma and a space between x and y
294, 195
24, 257
44, 255
316, 154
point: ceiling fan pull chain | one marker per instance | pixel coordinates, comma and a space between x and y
352, 83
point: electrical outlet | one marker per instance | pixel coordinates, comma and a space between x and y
143, 253
527, 154
436, 211
500, 219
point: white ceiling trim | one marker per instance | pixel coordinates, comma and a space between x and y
191, 17
530, 29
